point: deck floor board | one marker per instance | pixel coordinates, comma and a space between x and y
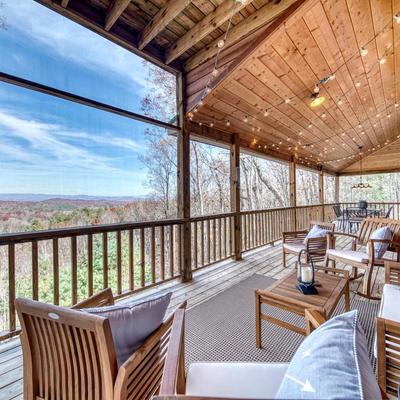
206, 283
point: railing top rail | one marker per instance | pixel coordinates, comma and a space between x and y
21, 237
212, 216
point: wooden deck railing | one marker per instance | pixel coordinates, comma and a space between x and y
64, 266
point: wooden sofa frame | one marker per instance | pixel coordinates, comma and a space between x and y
69, 354
388, 341
362, 238
315, 248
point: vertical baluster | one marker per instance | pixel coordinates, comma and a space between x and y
224, 236
195, 246
153, 255
56, 273
171, 250
179, 248
162, 253
244, 217
220, 238
131, 255
74, 270
202, 249
105, 260
208, 242
214, 233
11, 286
119, 262
35, 271
142, 259
90, 264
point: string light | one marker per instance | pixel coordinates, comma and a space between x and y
221, 43
397, 18
363, 51
382, 60
266, 113
245, 119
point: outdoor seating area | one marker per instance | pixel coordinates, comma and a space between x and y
199, 199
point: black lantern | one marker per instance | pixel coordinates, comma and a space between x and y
306, 276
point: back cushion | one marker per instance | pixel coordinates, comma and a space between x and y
332, 363
381, 233
315, 232
132, 323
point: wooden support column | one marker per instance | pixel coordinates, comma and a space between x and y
337, 188
235, 196
321, 192
184, 185
292, 190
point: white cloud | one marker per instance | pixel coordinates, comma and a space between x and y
74, 42
46, 144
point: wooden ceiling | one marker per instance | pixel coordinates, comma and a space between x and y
278, 75
274, 54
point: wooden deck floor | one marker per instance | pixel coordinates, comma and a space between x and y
205, 284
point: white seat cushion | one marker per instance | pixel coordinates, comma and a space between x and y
357, 256
294, 246
389, 307
235, 380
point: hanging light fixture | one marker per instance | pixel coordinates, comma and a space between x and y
361, 184
317, 100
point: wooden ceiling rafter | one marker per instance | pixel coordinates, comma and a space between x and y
159, 22
115, 11
259, 19
210, 22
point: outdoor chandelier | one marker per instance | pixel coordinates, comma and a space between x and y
361, 184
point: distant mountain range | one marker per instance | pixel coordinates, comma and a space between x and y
46, 197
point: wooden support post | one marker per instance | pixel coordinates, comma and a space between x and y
235, 196
184, 185
292, 190
337, 189
321, 192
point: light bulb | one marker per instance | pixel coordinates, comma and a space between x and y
363, 51
228, 123
287, 101
221, 43
316, 89
340, 102
396, 105
358, 84
332, 77
214, 73
397, 18
245, 119
382, 60
266, 113
211, 124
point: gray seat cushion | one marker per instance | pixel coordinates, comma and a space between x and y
383, 233
132, 323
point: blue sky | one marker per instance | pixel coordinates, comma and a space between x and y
52, 146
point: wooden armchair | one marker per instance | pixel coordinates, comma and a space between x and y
174, 382
356, 257
69, 354
388, 332
315, 248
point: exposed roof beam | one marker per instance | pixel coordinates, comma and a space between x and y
208, 24
255, 21
115, 11
64, 3
164, 16
265, 37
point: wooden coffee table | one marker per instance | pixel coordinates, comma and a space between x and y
283, 294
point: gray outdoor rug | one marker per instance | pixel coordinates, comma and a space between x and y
223, 327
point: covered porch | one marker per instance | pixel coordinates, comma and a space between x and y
293, 105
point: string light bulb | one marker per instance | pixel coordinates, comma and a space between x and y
363, 51
382, 60
266, 113
228, 123
245, 119
397, 18
221, 43
214, 73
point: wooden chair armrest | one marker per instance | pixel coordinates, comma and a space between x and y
101, 299
392, 272
173, 376
314, 319
342, 234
